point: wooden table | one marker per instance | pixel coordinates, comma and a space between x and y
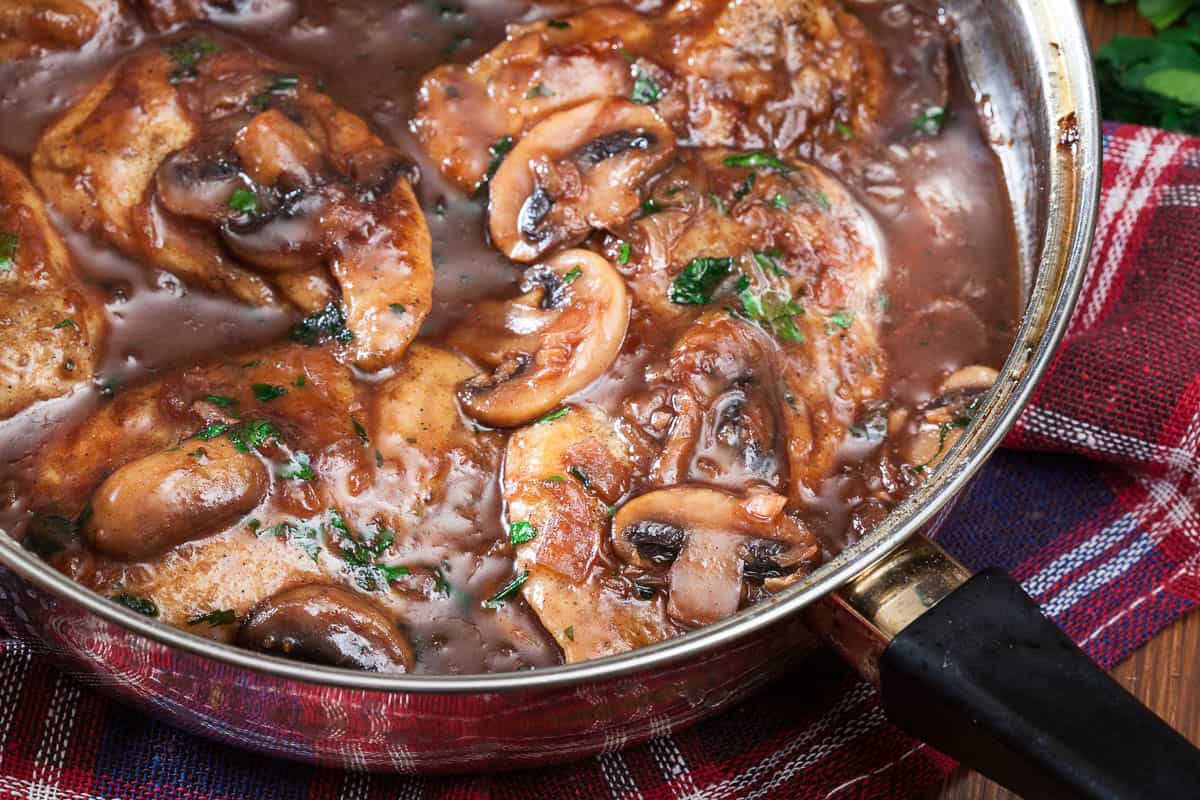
1165, 673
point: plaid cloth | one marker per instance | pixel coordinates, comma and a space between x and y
1099, 523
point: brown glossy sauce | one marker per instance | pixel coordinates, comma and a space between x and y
952, 287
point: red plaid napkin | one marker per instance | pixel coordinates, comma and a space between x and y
1097, 517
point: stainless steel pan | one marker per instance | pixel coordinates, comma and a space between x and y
1030, 60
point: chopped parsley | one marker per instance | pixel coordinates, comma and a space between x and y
186, 55
695, 284
521, 532
650, 206
623, 252
265, 392
569, 632
499, 150
774, 311
397, 309
252, 435
66, 323
781, 202
557, 24
8, 250
508, 590
758, 160
299, 467
141, 605
220, 400
746, 187
211, 432
553, 415
244, 201
224, 616
553, 479
932, 120
844, 131
718, 204
842, 318
360, 431
328, 323
767, 260
300, 382
572, 276
538, 90
645, 89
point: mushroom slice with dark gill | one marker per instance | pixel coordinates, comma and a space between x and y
327, 625
708, 542
946, 416
575, 171
548, 343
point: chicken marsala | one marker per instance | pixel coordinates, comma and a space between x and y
446, 338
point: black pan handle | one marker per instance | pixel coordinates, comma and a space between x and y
972, 666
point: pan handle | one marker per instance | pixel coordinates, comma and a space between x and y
972, 666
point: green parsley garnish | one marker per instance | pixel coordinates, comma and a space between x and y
645, 89
932, 121
842, 318
397, 309
211, 432
509, 589
499, 150
572, 276
781, 202
8, 250
298, 468
244, 201
66, 323
746, 187
329, 323
265, 392
623, 252
186, 55
773, 311
844, 130
557, 24
224, 616
718, 204
360, 431
141, 605
538, 90
758, 160
569, 632
766, 260
579, 475
252, 435
220, 400
553, 415
521, 532
695, 284
553, 479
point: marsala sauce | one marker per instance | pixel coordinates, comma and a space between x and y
940, 202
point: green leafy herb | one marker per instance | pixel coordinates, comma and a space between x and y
211, 432
696, 283
244, 201
509, 589
538, 90
499, 150
572, 276
299, 467
774, 311
252, 435
580, 476
141, 605
440, 584
623, 252
569, 632
329, 323
718, 204
650, 206
225, 616
300, 382
220, 400
645, 89
932, 120
186, 55
558, 24
766, 260
1155, 80
553, 415
521, 532
265, 392
8, 250
66, 323
844, 130
52, 533
360, 431
758, 160
397, 309
253, 525
781, 202
842, 318
746, 187
199, 452
822, 200
553, 479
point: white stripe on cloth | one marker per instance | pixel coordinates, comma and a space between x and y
1123, 207
1076, 432
56, 734
12, 680
672, 765
621, 784
1185, 195
355, 786
26, 788
1120, 529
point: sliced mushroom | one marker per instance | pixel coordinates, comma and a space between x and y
552, 341
174, 496
945, 418
576, 170
327, 625
709, 542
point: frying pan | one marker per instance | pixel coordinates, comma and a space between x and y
967, 663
